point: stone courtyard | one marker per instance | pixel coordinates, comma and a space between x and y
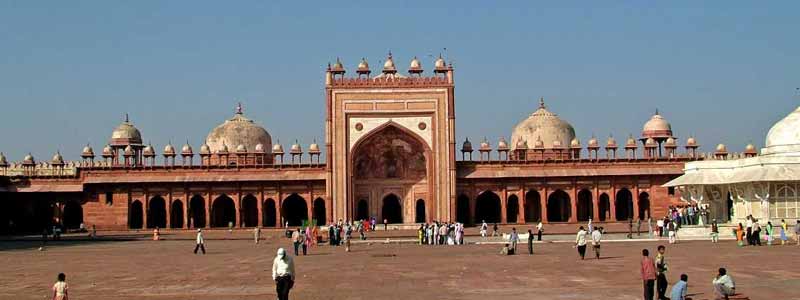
235, 268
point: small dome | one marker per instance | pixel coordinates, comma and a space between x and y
557, 144
466, 146
363, 65
28, 160
539, 144
259, 148
631, 142
521, 145
611, 142
593, 143
691, 142
57, 159
721, 148
87, 151
238, 130
750, 148
108, 151
388, 66
415, 66
296, 149
502, 144
670, 143
485, 145
126, 134
313, 148
338, 64
650, 143
241, 149
187, 149
205, 149
277, 148
546, 126
575, 143
149, 151
657, 127
169, 150
439, 63
128, 151
3, 160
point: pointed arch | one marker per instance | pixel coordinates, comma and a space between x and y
512, 209
249, 214
157, 213
135, 215
223, 211
623, 204
294, 210
176, 214
533, 206
270, 217
644, 206
319, 211
420, 211
362, 210
604, 207
585, 207
558, 207
487, 207
197, 212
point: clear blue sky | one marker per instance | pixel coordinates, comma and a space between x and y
69, 70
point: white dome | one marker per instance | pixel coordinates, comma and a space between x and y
545, 126
784, 136
238, 130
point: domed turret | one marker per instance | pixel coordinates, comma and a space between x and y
502, 145
313, 148
128, 151
593, 143
485, 146
611, 143
466, 146
169, 150
784, 136
238, 130
87, 152
149, 151
28, 160
338, 68
241, 149
277, 149
388, 65
671, 143
439, 66
657, 127
363, 67
539, 144
259, 148
186, 150
57, 160
650, 143
296, 149
521, 145
108, 151
3, 160
630, 143
545, 126
691, 142
415, 67
721, 148
205, 149
126, 134
750, 150
575, 143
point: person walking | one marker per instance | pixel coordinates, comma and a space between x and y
784, 238
630, 228
671, 232
530, 242
648, 272
305, 240
714, 231
60, 288
257, 234
723, 285
580, 242
385, 224
283, 274
200, 242
770, 231
638, 227
539, 229
296, 241
513, 239
680, 289
494, 229
661, 273
596, 236
484, 228
756, 232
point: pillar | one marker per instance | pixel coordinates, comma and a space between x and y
573, 215
278, 205
543, 203
208, 209
260, 208
636, 199
504, 205
168, 209
185, 224
521, 205
145, 210
612, 201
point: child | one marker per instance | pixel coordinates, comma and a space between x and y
60, 288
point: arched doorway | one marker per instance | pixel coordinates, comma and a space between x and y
294, 210
487, 207
362, 211
135, 215
462, 209
176, 214
249, 211
391, 210
157, 213
585, 207
604, 207
533, 206
319, 211
387, 158
223, 212
512, 209
644, 206
558, 207
270, 213
73, 215
624, 205
420, 211
729, 207
197, 212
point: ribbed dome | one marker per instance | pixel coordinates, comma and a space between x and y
169, 150
28, 160
126, 134
657, 127
545, 126
238, 131
87, 151
57, 159
205, 149
784, 136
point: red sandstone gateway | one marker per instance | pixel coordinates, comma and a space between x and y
390, 153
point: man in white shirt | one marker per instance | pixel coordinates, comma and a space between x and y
723, 285
539, 231
484, 228
580, 242
513, 238
283, 274
200, 242
596, 235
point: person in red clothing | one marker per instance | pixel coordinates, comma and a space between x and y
648, 274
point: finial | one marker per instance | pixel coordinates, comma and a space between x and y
338, 61
541, 102
656, 111
390, 54
126, 118
239, 108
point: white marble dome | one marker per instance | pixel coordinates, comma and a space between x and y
238, 130
784, 136
545, 126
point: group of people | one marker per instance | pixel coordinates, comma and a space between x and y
751, 232
654, 276
595, 236
443, 233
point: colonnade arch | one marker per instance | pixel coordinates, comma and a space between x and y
559, 207
585, 206
176, 214
512, 209
223, 212
623, 205
644, 206
156, 212
73, 215
270, 214
135, 215
533, 206
319, 211
487, 208
249, 211
294, 210
197, 212
604, 207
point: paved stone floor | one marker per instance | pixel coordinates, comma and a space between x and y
237, 269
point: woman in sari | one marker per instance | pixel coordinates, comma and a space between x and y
784, 238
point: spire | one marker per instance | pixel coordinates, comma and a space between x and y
656, 111
239, 108
541, 102
126, 118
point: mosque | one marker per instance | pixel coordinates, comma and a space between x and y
390, 152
